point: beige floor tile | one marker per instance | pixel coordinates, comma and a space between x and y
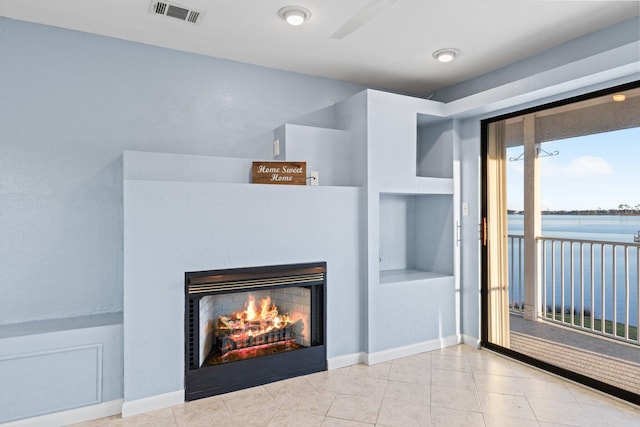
456, 386
315, 403
380, 370
422, 360
492, 420
554, 411
466, 400
285, 418
200, 412
355, 408
165, 414
543, 424
298, 385
329, 380
402, 414
408, 392
212, 405
135, 421
452, 379
602, 416
536, 388
247, 419
444, 417
254, 399
410, 374
456, 350
493, 366
506, 404
450, 363
364, 386
337, 422
498, 384
249, 393
522, 371
591, 397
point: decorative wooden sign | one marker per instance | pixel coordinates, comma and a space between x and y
289, 173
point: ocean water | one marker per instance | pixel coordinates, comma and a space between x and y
607, 228
589, 227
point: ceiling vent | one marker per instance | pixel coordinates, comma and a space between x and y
174, 10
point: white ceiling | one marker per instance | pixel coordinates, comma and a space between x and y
392, 50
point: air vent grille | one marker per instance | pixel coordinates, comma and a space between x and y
193, 16
173, 10
160, 8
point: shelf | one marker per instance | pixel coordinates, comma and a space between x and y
59, 325
416, 233
420, 186
434, 149
408, 275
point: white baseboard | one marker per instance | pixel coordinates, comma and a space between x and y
152, 403
471, 341
71, 416
410, 350
346, 360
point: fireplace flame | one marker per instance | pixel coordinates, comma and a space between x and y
250, 312
253, 322
259, 328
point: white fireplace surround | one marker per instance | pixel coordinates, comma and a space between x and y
174, 224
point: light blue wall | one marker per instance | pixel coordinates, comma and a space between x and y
71, 104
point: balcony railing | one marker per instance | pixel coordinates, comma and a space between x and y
586, 284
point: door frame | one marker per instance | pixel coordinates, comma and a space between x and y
484, 275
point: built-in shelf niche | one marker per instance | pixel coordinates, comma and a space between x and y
326, 151
434, 150
416, 237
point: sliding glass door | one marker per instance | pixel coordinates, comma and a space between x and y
561, 237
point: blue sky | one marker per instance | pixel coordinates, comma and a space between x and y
590, 172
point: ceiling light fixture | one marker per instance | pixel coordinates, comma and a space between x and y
619, 97
294, 15
446, 55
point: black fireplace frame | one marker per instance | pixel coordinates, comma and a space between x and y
208, 381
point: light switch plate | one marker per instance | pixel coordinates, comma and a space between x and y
276, 148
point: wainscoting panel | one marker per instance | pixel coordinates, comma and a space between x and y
50, 381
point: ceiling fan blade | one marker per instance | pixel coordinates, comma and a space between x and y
363, 16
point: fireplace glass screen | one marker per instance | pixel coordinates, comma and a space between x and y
252, 324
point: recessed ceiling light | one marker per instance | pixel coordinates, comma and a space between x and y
619, 97
294, 15
446, 54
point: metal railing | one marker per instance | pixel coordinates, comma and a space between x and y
586, 284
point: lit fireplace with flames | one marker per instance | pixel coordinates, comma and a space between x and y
250, 326
258, 330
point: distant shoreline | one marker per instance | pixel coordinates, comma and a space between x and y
593, 212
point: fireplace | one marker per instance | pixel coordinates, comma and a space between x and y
250, 326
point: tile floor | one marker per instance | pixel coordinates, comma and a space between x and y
456, 386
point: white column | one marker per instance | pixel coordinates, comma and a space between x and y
532, 220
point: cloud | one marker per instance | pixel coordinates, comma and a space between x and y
588, 166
